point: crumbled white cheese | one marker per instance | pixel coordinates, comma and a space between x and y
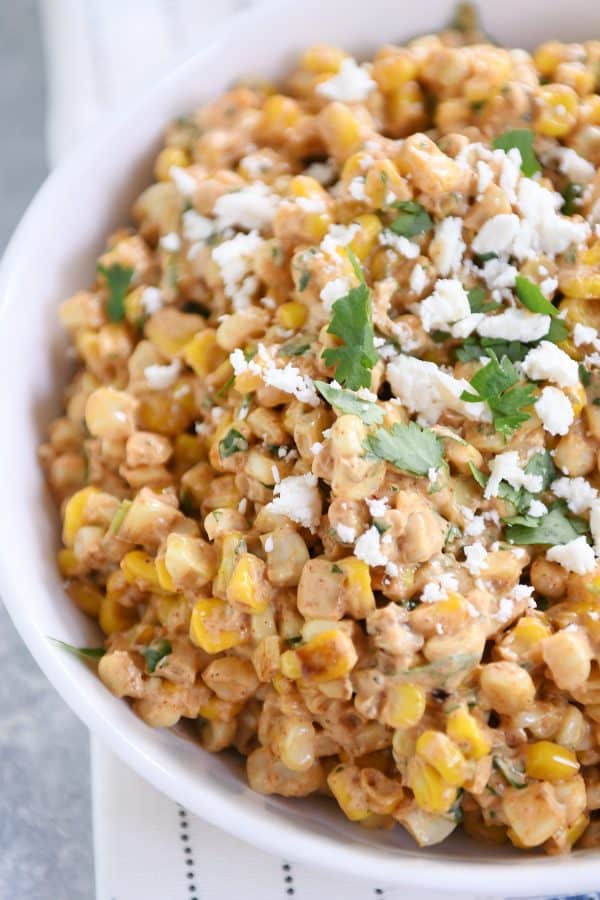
447, 247
515, 324
170, 242
543, 230
576, 556
424, 388
547, 362
311, 204
251, 207
405, 336
537, 509
575, 167
475, 527
351, 84
152, 300
333, 290
584, 334
235, 259
183, 181
346, 533
555, 411
196, 228
377, 506
399, 243
485, 176
161, 377
475, 557
356, 188
298, 498
448, 304
497, 234
323, 172
316, 448
510, 171
368, 548
467, 325
507, 467
338, 236
498, 274
288, 379
418, 279
578, 493
548, 287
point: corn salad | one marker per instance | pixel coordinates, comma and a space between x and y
329, 465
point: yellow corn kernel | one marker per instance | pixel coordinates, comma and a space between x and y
404, 705
134, 307
327, 656
586, 312
340, 130
203, 354
168, 157
550, 762
167, 606
383, 179
279, 114
164, 579
355, 166
432, 793
167, 412
68, 564
406, 111
556, 113
576, 394
291, 315
360, 600
170, 330
365, 240
231, 547
516, 840
139, 568
217, 710
580, 284
466, 732
577, 829
114, 617
576, 76
525, 637
73, 513
393, 70
322, 58
208, 626
443, 754
86, 597
591, 255
548, 56
344, 784
248, 587
187, 451
589, 110
306, 186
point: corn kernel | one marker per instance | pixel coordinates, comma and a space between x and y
279, 114
86, 597
327, 656
202, 353
465, 731
432, 793
322, 58
73, 513
164, 579
577, 76
138, 568
217, 710
68, 564
578, 309
547, 57
168, 157
580, 284
291, 315
248, 587
340, 130
187, 451
359, 597
576, 394
365, 241
404, 705
208, 628
589, 110
405, 109
113, 616
383, 179
556, 113
577, 829
393, 70
550, 762
442, 753
344, 783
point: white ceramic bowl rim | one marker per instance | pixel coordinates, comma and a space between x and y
157, 760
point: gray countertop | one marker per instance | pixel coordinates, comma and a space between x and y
45, 828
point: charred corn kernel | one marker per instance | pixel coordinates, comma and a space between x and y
393, 70
432, 792
138, 568
548, 56
405, 109
360, 600
344, 784
208, 627
325, 657
589, 110
443, 754
73, 513
166, 159
113, 616
365, 240
322, 58
340, 130
68, 563
86, 597
404, 705
248, 588
279, 113
164, 579
467, 734
550, 762
556, 112
291, 315
202, 353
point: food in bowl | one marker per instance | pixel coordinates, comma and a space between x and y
328, 465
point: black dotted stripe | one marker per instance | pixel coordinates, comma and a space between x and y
188, 854
288, 880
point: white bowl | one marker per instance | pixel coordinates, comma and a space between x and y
52, 254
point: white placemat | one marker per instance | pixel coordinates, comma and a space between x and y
98, 53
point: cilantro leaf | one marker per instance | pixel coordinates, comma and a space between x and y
84, 652
297, 346
571, 198
413, 219
156, 651
542, 464
347, 402
408, 447
585, 376
497, 385
553, 528
118, 278
233, 442
474, 348
531, 296
522, 139
352, 322
557, 332
478, 301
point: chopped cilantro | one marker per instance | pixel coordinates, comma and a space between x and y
585, 376
556, 527
478, 301
413, 219
440, 336
571, 198
304, 279
156, 651
118, 278
522, 139
233, 442
352, 322
531, 296
497, 384
84, 652
297, 346
557, 332
473, 348
482, 258
347, 402
336, 570
408, 447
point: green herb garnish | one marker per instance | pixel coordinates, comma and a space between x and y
531, 296
585, 376
156, 651
304, 279
233, 442
478, 301
83, 652
497, 384
413, 219
571, 198
408, 447
522, 139
118, 278
347, 402
556, 527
